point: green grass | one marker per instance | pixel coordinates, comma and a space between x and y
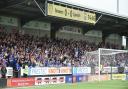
95, 85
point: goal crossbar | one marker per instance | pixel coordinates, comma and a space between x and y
110, 51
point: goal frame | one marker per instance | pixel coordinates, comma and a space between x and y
98, 52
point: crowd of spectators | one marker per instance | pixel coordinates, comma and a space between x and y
17, 50
117, 60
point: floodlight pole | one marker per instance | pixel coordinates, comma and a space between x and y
117, 6
99, 50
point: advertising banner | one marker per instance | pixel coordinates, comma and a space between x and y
126, 70
119, 76
71, 13
49, 80
96, 77
85, 78
79, 78
16, 82
60, 80
108, 70
49, 71
42, 80
61, 70
9, 71
127, 77
37, 71
68, 79
74, 79
81, 70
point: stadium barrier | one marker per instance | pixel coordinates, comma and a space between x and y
20, 82
118, 76
54, 75
32, 81
3, 83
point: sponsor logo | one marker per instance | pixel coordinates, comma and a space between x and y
14, 82
54, 79
38, 81
119, 76
47, 80
61, 79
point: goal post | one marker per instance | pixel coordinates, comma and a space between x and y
107, 61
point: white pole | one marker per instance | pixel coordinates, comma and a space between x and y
99, 64
117, 6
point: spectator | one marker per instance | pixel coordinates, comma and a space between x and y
3, 71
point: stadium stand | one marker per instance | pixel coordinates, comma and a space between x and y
52, 42
17, 50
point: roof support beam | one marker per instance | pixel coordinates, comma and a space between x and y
40, 7
11, 3
98, 19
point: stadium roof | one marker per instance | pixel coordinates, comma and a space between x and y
28, 10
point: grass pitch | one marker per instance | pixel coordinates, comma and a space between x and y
118, 84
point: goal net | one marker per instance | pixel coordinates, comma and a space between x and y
107, 61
